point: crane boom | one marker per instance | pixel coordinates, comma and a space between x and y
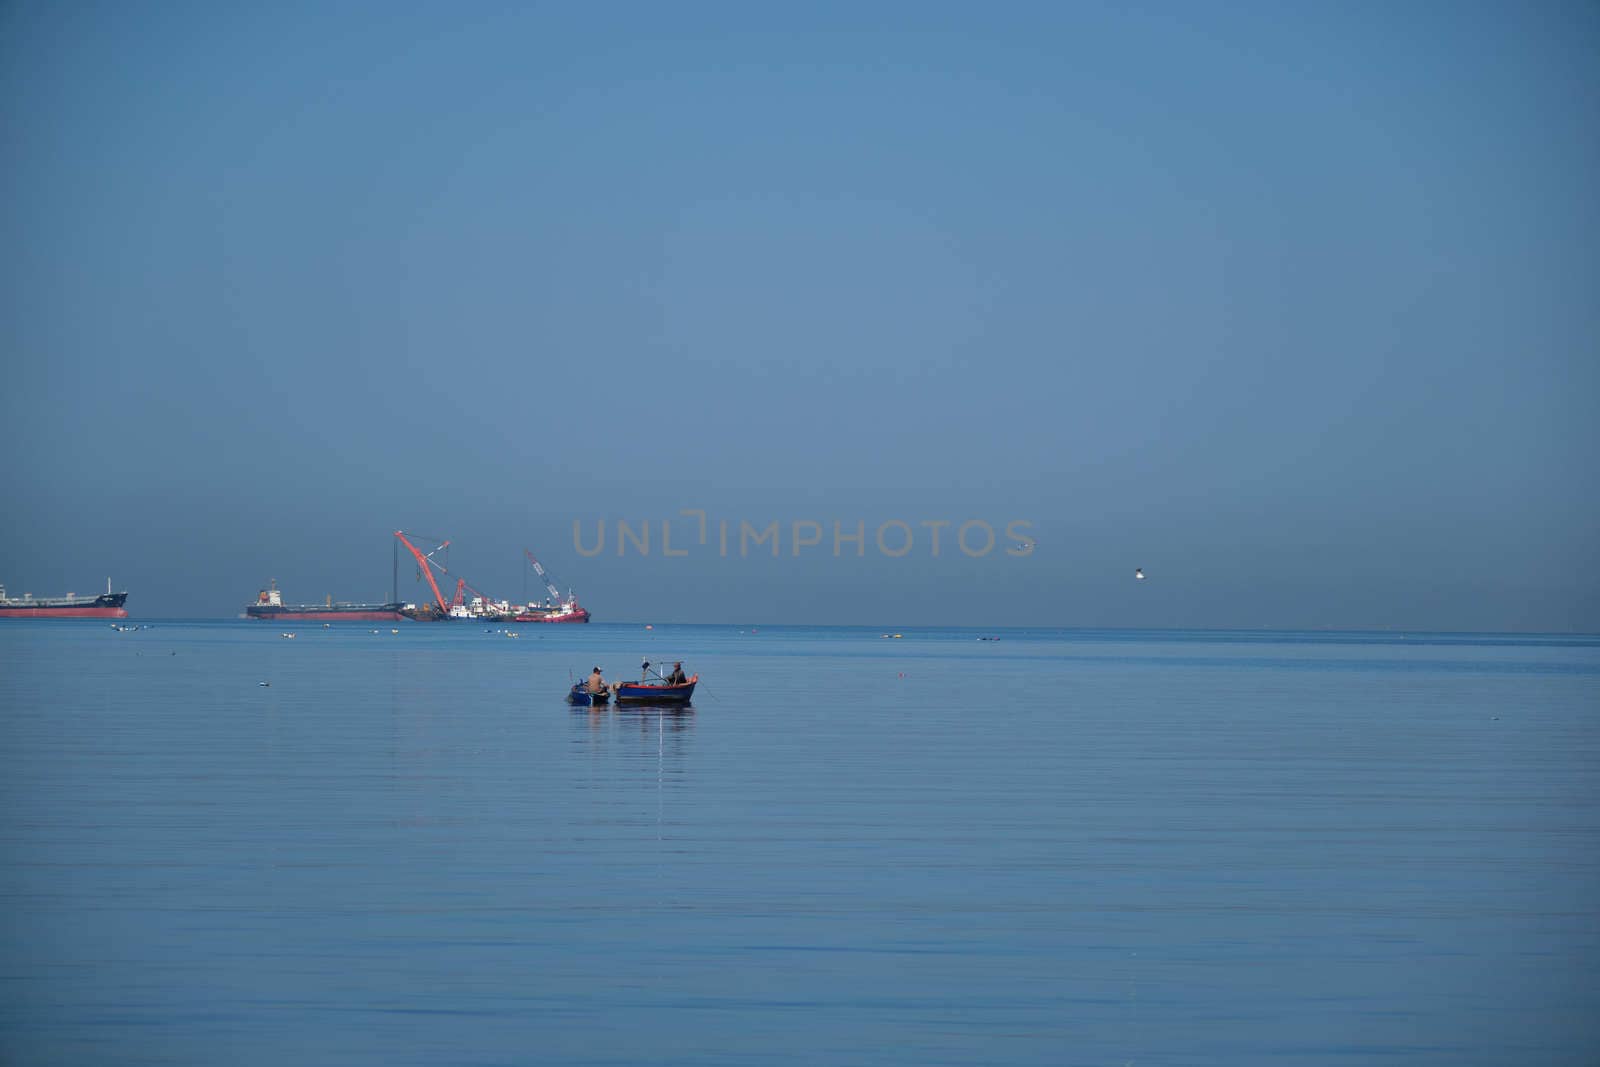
540, 571
427, 569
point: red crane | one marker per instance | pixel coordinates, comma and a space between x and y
427, 568
430, 565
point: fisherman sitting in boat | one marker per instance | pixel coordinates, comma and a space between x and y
677, 677
596, 683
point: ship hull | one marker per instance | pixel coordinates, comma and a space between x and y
318, 613
67, 612
576, 616
654, 693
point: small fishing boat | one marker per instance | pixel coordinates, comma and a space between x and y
580, 695
654, 692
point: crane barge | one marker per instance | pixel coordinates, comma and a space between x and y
482, 607
440, 608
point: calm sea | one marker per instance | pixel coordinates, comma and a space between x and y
1058, 847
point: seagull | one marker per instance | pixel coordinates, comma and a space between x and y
263, 683
1138, 572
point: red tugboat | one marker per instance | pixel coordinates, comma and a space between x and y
107, 605
556, 609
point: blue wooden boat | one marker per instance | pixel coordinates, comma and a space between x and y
654, 692
580, 695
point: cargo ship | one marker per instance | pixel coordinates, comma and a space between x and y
107, 605
269, 606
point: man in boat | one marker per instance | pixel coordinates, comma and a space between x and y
596, 684
677, 676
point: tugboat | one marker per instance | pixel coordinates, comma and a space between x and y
557, 608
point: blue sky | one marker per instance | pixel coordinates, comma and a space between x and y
1291, 305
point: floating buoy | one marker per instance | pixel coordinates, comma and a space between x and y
647, 626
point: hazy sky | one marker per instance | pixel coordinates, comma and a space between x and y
1292, 305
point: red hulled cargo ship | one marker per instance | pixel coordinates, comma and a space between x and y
107, 605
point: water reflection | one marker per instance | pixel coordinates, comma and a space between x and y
674, 718
665, 722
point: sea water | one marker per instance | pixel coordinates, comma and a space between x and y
1055, 847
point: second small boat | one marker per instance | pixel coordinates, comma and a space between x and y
654, 692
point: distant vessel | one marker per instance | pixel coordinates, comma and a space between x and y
557, 608
107, 605
269, 606
566, 611
482, 608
